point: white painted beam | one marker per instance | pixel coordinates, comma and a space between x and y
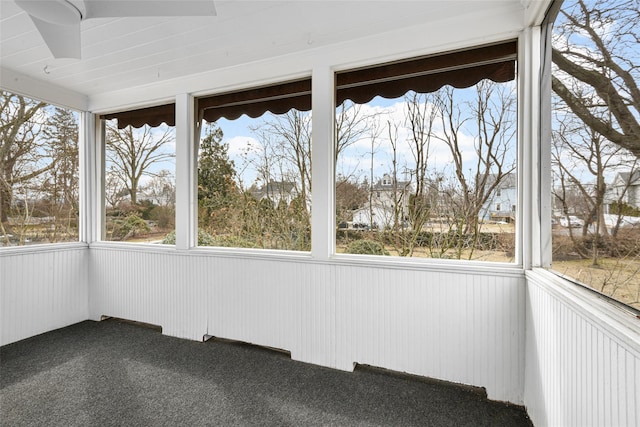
186, 221
88, 178
322, 158
387, 46
15, 82
529, 161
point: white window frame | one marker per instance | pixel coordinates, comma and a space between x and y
69, 101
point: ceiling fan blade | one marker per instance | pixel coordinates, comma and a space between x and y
63, 40
118, 8
53, 11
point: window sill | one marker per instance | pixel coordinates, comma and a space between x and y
371, 261
204, 251
130, 246
431, 264
45, 247
621, 322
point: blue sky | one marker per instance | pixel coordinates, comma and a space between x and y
244, 146
356, 161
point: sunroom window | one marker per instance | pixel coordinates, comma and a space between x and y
254, 168
139, 178
595, 146
426, 154
39, 168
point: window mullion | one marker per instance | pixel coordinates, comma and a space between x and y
185, 173
322, 154
87, 151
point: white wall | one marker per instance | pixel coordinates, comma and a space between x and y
571, 358
465, 327
582, 357
42, 290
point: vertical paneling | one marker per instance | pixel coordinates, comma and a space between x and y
156, 288
456, 326
460, 327
41, 291
578, 372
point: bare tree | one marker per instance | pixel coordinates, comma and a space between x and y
421, 118
114, 188
581, 159
490, 118
21, 122
62, 183
397, 220
161, 189
352, 125
288, 137
595, 50
133, 152
350, 195
374, 134
410, 204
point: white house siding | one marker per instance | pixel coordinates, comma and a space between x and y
462, 327
622, 184
41, 290
582, 365
634, 196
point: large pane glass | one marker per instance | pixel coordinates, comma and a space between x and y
38, 172
254, 182
429, 175
139, 183
596, 146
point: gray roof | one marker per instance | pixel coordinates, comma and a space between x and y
624, 176
275, 188
399, 185
508, 180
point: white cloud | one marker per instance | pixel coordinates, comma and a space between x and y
239, 145
358, 155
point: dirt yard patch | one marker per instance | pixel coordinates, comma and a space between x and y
617, 278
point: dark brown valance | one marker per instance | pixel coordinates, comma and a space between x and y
459, 69
278, 99
152, 116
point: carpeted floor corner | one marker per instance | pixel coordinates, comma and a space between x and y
114, 373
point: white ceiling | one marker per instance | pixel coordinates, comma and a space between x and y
122, 53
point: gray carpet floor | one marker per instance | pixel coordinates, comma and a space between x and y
114, 373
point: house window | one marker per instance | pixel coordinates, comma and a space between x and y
139, 178
39, 172
434, 140
498, 207
595, 151
254, 168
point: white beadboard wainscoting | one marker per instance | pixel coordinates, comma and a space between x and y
465, 327
582, 357
42, 289
568, 356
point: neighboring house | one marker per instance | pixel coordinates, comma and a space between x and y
384, 197
616, 190
501, 204
277, 192
371, 216
387, 193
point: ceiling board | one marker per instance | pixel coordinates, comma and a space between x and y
119, 53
